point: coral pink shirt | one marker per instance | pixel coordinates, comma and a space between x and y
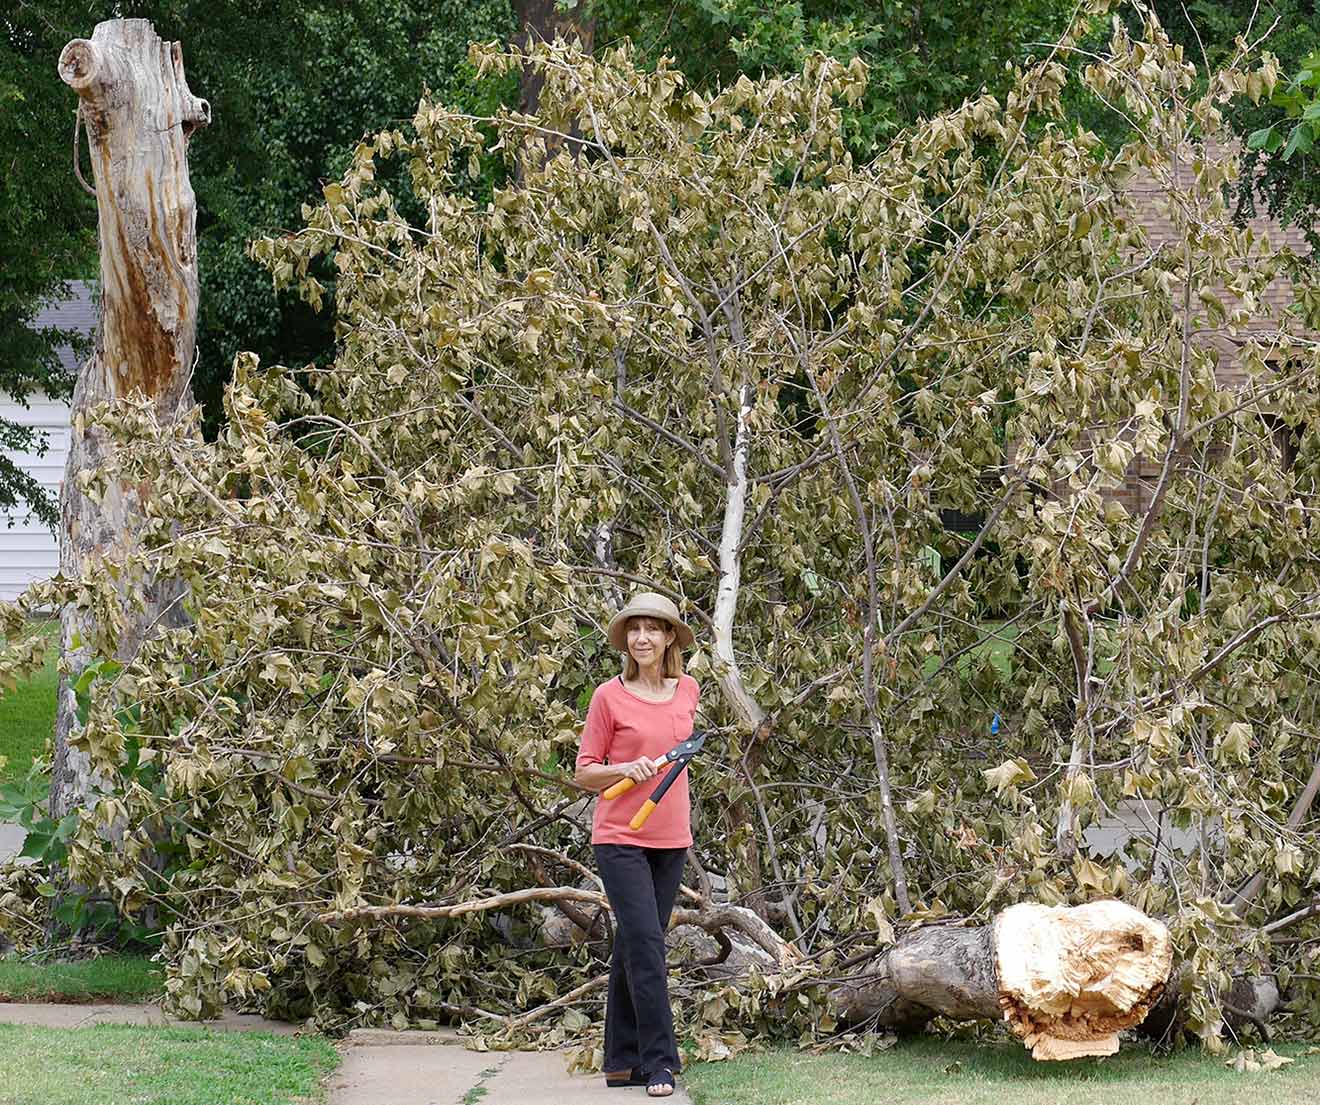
622, 726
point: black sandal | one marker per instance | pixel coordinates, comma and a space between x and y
633, 1079
662, 1080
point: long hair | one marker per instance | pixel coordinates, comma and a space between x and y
671, 664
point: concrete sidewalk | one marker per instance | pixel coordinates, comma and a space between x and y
382, 1067
11, 839
446, 1074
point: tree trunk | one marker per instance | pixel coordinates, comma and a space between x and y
1066, 980
727, 673
139, 115
542, 21
1251, 999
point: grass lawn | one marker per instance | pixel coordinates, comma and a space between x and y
27, 717
128, 1065
996, 642
108, 978
936, 1072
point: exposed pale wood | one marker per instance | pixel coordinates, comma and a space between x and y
730, 572
139, 114
1071, 978
727, 672
1066, 980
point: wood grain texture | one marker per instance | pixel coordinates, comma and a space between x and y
139, 115
1070, 979
1066, 980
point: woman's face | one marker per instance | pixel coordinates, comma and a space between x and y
647, 640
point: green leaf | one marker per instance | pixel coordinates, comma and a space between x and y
85, 680
67, 827
1299, 141
1260, 139
70, 911
37, 844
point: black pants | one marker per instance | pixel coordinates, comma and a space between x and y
639, 1025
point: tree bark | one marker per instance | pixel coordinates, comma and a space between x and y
542, 21
1251, 999
139, 115
1066, 980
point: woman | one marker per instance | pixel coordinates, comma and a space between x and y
634, 719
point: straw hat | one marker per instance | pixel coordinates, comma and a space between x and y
647, 604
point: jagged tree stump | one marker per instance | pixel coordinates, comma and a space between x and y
139, 114
1066, 980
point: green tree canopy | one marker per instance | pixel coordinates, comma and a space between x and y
47, 229
922, 58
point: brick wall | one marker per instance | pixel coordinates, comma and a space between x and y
1149, 203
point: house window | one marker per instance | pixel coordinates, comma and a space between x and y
1287, 440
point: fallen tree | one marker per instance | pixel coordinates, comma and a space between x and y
709, 353
1066, 981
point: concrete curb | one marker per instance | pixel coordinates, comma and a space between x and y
49, 1015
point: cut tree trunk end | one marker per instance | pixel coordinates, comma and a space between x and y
139, 114
1071, 979
1066, 980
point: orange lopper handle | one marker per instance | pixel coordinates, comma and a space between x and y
625, 785
615, 789
639, 818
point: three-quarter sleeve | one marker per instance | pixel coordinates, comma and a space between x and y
595, 745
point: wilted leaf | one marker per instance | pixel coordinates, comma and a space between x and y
875, 910
1010, 773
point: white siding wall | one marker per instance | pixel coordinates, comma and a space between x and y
28, 550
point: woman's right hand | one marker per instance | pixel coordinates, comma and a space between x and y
640, 769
